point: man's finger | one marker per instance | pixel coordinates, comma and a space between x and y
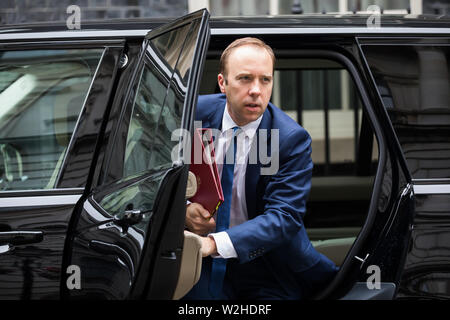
205, 213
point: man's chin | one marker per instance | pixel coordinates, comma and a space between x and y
251, 118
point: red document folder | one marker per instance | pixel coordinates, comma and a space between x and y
209, 190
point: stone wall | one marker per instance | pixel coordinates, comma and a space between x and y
26, 11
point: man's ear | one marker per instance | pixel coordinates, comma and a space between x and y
221, 81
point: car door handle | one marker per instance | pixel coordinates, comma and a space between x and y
17, 238
9, 239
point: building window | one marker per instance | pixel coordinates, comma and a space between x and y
362, 5
309, 6
238, 7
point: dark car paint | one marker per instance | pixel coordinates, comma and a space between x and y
426, 268
33, 271
41, 263
388, 240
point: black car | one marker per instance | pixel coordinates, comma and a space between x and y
93, 183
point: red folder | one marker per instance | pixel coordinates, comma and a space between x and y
203, 165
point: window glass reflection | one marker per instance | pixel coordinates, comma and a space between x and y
184, 65
169, 45
147, 110
140, 196
41, 95
413, 82
158, 106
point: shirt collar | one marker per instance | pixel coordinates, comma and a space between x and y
249, 129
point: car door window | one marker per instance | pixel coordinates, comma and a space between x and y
158, 105
41, 95
142, 137
413, 82
156, 113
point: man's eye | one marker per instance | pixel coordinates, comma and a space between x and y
266, 80
244, 78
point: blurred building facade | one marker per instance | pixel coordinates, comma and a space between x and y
25, 11
276, 7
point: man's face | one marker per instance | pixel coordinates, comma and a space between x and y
248, 83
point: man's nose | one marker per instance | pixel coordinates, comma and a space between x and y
255, 88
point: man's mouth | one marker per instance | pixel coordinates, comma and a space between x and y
252, 106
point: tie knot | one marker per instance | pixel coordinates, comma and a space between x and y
236, 131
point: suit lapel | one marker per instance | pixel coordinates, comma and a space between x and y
214, 119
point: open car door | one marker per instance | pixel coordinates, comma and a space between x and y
127, 239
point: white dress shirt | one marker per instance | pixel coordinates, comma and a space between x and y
238, 211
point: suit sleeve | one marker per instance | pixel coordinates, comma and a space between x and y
284, 199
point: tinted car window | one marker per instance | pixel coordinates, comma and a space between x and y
413, 82
41, 95
147, 109
137, 196
158, 107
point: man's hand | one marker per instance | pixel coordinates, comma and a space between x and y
198, 219
208, 246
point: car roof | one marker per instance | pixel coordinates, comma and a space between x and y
305, 24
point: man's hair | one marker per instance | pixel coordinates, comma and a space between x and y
243, 42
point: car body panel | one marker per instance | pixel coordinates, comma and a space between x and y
49, 211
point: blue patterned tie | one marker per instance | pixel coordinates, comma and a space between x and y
219, 265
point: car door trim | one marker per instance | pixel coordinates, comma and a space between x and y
225, 31
39, 201
348, 30
432, 189
94, 212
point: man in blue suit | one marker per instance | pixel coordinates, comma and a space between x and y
264, 248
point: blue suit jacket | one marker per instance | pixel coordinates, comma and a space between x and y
272, 246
